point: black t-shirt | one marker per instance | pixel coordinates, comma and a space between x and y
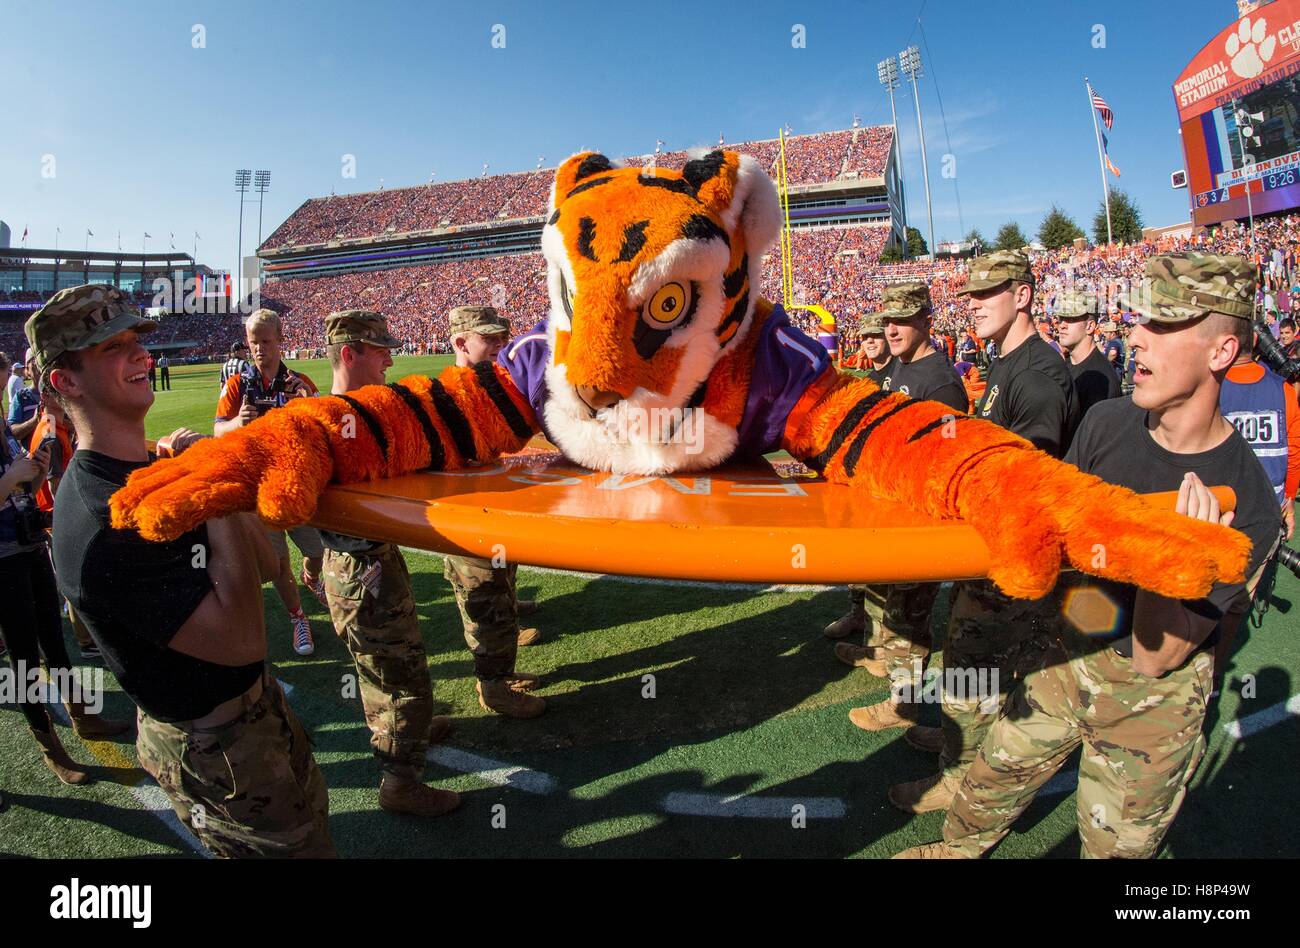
135, 595
343, 543
1030, 393
931, 378
878, 375
1094, 380
1114, 444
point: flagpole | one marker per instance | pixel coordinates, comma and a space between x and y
1241, 146
1105, 185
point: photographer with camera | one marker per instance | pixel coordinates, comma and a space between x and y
180, 623
265, 384
30, 622
1258, 397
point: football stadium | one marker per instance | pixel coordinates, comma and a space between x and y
695, 503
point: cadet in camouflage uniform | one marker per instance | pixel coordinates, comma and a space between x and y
368, 588
486, 594
1112, 678
184, 636
992, 639
866, 603
919, 371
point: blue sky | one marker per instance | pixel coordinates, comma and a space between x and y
146, 130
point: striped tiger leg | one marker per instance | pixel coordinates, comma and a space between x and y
281, 463
1030, 509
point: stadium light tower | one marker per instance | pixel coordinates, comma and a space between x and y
909, 60
261, 184
887, 73
242, 178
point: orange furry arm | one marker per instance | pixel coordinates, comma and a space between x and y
1031, 509
280, 464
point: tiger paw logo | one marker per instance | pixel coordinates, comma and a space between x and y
1250, 48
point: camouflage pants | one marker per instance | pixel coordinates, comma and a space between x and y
905, 634
1142, 741
488, 606
249, 788
898, 623
993, 640
379, 625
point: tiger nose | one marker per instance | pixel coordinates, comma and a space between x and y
598, 398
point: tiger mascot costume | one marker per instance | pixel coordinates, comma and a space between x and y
653, 277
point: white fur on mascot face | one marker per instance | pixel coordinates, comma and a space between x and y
653, 276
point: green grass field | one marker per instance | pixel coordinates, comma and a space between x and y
747, 720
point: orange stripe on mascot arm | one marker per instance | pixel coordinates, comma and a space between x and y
281, 463
1029, 508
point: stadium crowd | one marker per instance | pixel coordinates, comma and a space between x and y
809, 159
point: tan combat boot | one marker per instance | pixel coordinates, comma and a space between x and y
854, 622
522, 681
497, 695
924, 738
862, 656
529, 636
404, 794
940, 850
921, 796
57, 759
91, 725
884, 715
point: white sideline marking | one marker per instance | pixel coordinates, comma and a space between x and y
494, 771
152, 798
656, 581
1262, 720
755, 808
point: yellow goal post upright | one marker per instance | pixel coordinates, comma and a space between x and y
826, 322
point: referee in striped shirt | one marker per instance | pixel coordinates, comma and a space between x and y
236, 364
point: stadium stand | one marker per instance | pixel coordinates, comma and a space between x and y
810, 159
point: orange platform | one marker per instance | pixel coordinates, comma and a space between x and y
735, 523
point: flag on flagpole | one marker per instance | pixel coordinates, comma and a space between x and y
1105, 155
149, 235
24, 235
1098, 103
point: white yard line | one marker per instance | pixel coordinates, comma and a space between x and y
683, 803
493, 771
1262, 720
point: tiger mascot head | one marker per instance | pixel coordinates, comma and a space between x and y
653, 276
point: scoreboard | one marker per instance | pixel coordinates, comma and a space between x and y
1252, 165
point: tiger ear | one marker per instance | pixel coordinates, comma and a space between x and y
570, 174
737, 189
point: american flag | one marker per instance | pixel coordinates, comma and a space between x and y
1098, 103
